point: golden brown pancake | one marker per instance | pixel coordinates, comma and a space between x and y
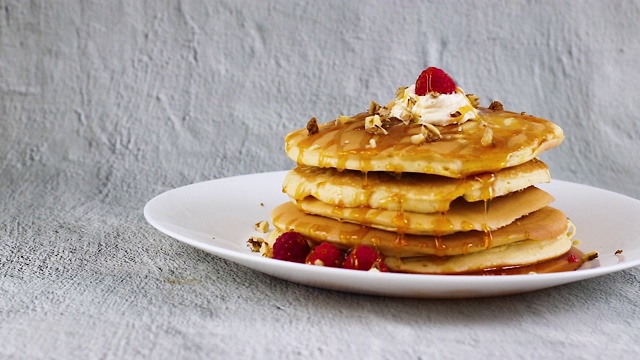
462, 216
407, 191
520, 253
522, 257
544, 224
462, 151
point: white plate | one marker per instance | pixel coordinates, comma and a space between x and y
217, 216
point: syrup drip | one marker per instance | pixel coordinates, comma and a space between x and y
570, 261
342, 145
487, 193
441, 247
442, 225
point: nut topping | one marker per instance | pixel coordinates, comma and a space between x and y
496, 105
374, 107
312, 126
373, 124
341, 120
428, 133
487, 137
255, 243
474, 100
261, 226
591, 256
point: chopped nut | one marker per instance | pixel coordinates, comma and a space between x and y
430, 132
523, 113
400, 92
262, 226
374, 107
312, 126
487, 137
406, 116
372, 121
496, 105
372, 144
373, 124
418, 139
591, 256
474, 100
455, 114
255, 243
341, 120
384, 112
618, 252
411, 101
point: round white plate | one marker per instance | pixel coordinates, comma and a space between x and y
218, 216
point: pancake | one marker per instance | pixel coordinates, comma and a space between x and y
462, 216
544, 224
462, 150
521, 253
409, 191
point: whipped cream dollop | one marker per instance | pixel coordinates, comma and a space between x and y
432, 108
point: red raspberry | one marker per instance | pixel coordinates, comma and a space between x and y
434, 79
363, 257
291, 246
325, 254
573, 259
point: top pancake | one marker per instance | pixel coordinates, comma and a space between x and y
516, 139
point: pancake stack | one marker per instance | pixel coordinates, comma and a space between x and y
432, 181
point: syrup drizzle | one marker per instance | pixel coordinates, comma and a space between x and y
570, 261
287, 216
459, 152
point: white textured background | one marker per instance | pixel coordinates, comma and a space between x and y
104, 105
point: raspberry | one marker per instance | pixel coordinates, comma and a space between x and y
291, 246
573, 259
363, 257
434, 79
325, 254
